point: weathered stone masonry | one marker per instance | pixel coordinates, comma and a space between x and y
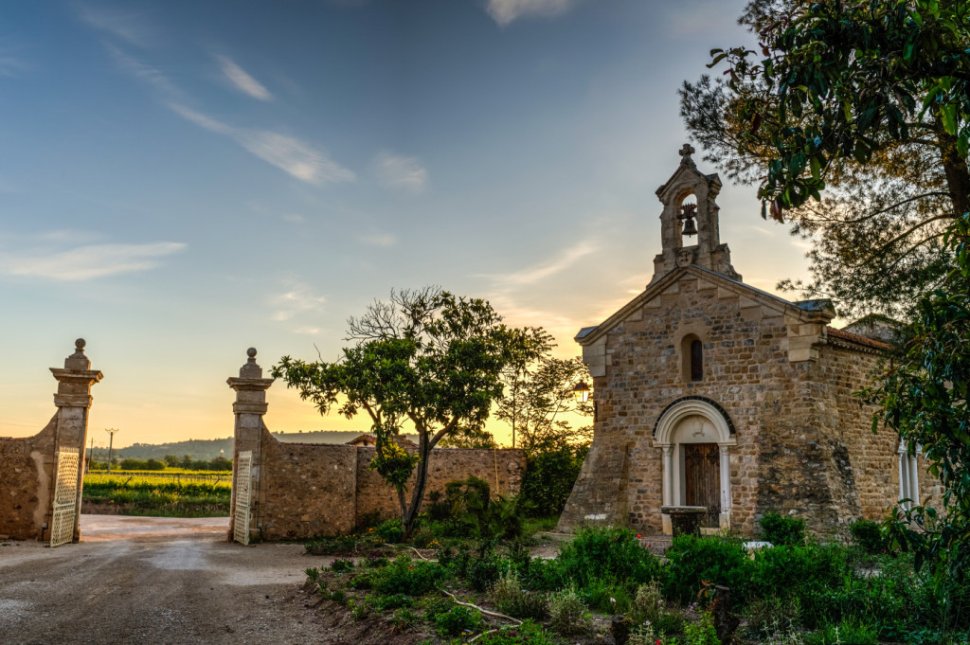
304, 490
774, 401
28, 466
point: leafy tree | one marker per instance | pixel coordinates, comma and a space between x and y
869, 101
925, 397
426, 357
539, 393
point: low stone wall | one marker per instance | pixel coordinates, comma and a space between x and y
307, 490
26, 475
502, 469
300, 491
310, 490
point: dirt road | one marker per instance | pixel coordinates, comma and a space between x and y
155, 580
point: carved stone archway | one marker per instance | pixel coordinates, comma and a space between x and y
693, 420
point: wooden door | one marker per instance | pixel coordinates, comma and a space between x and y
702, 479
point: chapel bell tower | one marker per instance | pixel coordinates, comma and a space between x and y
689, 222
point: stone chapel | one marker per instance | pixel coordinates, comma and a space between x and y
709, 392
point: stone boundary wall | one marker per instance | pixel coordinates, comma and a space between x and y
311, 490
502, 468
301, 491
26, 484
28, 465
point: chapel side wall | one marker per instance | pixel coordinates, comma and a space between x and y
778, 461
501, 468
863, 471
306, 490
26, 473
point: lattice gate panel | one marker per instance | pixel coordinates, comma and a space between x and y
243, 485
65, 496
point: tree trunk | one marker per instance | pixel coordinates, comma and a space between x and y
955, 169
420, 480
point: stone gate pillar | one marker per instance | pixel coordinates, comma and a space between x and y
73, 399
249, 408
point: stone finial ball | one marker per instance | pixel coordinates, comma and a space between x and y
251, 352
79, 344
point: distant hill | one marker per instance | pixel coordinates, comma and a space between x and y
209, 449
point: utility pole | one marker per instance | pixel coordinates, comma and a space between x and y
111, 433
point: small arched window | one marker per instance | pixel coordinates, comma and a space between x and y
692, 351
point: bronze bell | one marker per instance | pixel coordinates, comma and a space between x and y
687, 214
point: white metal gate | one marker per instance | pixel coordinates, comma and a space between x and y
65, 496
243, 491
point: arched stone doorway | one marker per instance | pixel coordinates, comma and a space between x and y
695, 437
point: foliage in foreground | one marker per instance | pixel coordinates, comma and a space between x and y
816, 593
924, 398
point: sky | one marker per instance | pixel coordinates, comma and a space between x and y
181, 180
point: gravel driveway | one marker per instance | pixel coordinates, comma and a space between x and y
155, 580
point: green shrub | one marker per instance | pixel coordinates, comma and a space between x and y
543, 575
528, 633
341, 566
702, 632
691, 560
390, 531
483, 571
612, 554
403, 618
781, 530
394, 601
511, 599
867, 535
844, 633
456, 621
607, 596
567, 613
787, 571
339, 545
406, 576
648, 603
548, 480
359, 611
766, 619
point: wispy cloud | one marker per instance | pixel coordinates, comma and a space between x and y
243, 80
504, 12
298, 298
382, 240
400, 172
86, 262
145, 73
128, 26
537, 272
294, 218
295, 157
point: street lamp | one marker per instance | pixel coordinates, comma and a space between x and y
581, 392
111, 433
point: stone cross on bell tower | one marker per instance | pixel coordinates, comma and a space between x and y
689, 221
